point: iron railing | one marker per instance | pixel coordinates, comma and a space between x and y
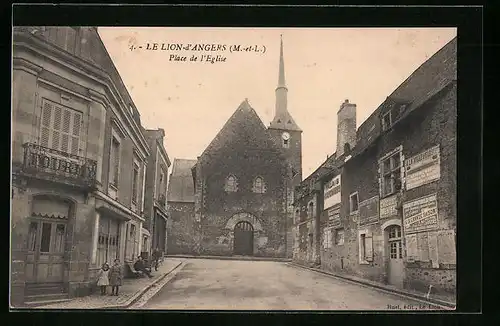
42, 159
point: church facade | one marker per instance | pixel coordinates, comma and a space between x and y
243, 184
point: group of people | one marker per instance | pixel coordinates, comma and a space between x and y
112, 276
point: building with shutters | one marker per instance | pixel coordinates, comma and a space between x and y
155, 203
243, 186
386, 197
79, 159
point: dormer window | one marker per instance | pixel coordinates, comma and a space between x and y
231, 184
387, 121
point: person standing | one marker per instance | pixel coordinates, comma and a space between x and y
115, 277
156, 258
103, 278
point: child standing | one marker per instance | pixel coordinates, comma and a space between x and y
115, 277
103, 278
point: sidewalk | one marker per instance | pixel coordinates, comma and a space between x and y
443, 300
130, 291
252, 258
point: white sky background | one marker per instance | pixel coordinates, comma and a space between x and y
323, 67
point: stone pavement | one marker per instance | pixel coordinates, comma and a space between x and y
131, 290
210, 284
440, 299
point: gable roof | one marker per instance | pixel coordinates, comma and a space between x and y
181, 186
426, 81
240, 122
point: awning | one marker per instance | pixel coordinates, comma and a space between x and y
106, 209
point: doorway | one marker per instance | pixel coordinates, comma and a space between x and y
243, 239
395, 266
45, 258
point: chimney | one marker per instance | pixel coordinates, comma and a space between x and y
346, 128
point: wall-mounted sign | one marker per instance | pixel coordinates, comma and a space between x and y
368, 211
423, 168
331, 192
334, 217
388, 207
420, 215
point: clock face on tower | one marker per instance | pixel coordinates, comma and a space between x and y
285, 136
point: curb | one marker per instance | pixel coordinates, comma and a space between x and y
442, 304
137, 296
231, 258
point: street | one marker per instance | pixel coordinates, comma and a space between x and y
209, 284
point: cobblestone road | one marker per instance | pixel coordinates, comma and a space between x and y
262, 285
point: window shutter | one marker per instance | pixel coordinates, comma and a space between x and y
56, 133
368, 247
46, 124
65, 131
75, 134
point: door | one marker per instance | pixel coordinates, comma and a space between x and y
395, 266
243, 239
45, 259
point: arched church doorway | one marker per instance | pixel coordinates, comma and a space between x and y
243, 238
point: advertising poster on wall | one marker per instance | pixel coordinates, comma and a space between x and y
420, 215
369, 211
423, 168
388, 207
331, 192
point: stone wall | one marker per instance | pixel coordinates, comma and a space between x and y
181, 232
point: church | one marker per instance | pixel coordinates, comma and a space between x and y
243, 185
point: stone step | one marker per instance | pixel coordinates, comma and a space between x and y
33, 304
44, 289
30, 299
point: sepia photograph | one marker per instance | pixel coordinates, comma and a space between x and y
235, 168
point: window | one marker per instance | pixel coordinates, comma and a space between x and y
60, 128
365, 247
390, 169
114, 161
353, 202
394, 239
339, 237
310, 212
231, 185
108, 243
387, 121
258, 185
32, 236
135, 181
46, 233
327, 238
59, 238
286, 143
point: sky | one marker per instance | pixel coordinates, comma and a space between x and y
191, 101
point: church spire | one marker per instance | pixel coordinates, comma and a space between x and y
281, 78
282, 118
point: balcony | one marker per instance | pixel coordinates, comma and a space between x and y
53, 165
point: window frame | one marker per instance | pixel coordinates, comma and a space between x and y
233, 186
135, 181
365, 237
114, 169
393, 171
286, 143
337, 231
256, 189
386, 127
351, 211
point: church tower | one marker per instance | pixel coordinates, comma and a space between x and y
283, 128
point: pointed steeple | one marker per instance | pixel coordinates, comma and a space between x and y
282, 118
281, 78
